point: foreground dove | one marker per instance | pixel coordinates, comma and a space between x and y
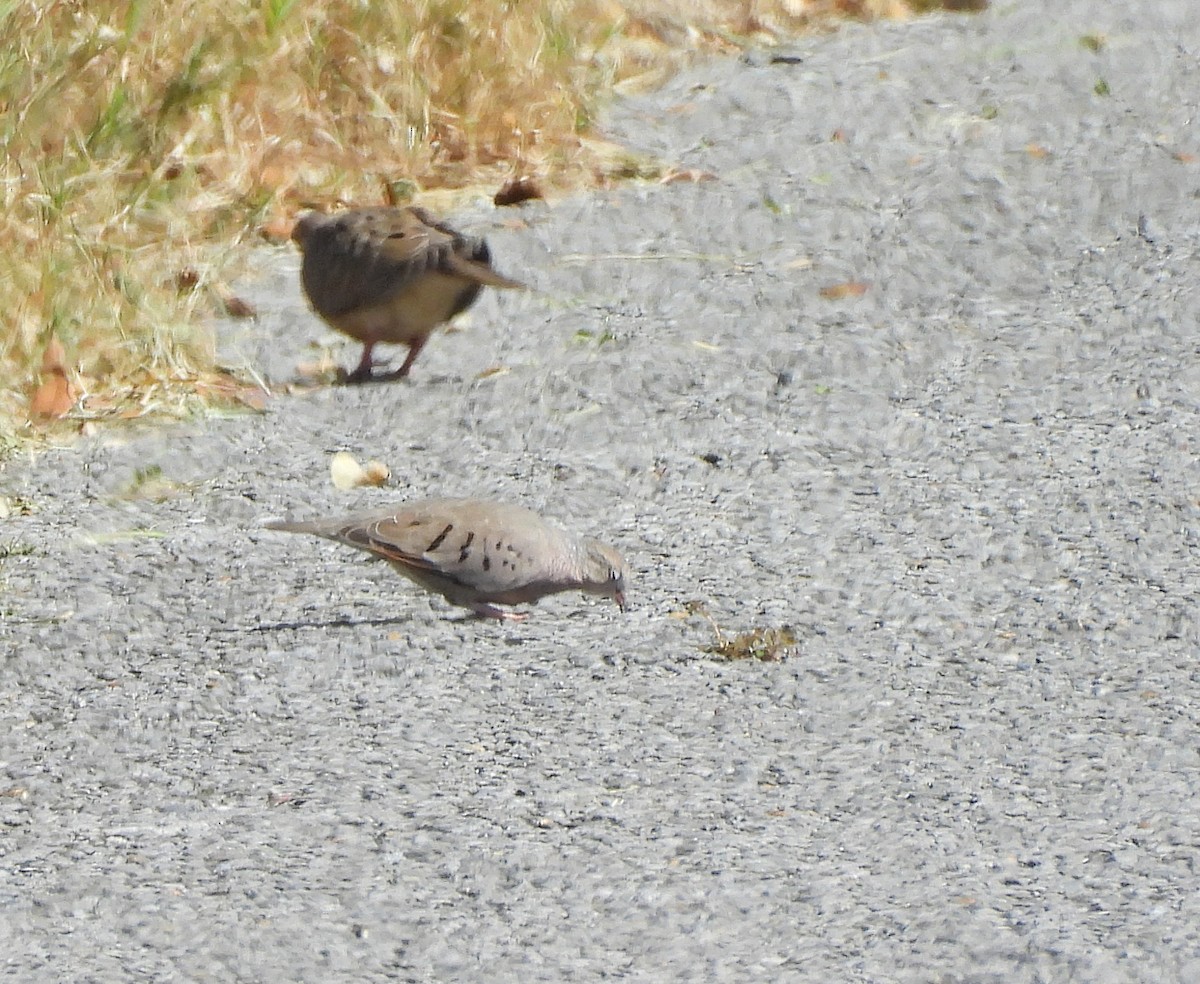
390, 275
477, 553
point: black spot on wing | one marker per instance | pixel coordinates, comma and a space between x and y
437, 540
473, 249
465, 550
466, 297
477, 249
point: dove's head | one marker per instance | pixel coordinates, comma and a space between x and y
604, 571
304, 227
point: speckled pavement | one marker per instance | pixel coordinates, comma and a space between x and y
969, 483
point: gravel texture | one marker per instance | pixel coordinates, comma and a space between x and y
232, 755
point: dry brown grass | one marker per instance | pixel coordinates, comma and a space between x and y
765, 644
146, 146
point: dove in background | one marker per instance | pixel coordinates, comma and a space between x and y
390, 275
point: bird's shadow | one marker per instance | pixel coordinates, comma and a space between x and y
329, 623
346, 622
342, 378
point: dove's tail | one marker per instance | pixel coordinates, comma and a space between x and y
316, 527
481, 273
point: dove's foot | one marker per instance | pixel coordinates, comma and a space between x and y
366, 374
390, 377
491, 611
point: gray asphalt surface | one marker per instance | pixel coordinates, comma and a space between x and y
231, 755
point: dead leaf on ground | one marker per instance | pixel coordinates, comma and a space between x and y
253, 397
517, 190
187, 279
321, 370
400, 191
55, 394
851, 288
768, 645
14, 505
236, 307
692, 174
226, 389
277, 230
152, 485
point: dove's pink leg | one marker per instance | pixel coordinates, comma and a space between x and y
484, 610
413, 351
363, 371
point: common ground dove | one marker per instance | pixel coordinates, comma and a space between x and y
390, 275
477, 553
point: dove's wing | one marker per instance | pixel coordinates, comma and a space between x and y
358, 260
489, 549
